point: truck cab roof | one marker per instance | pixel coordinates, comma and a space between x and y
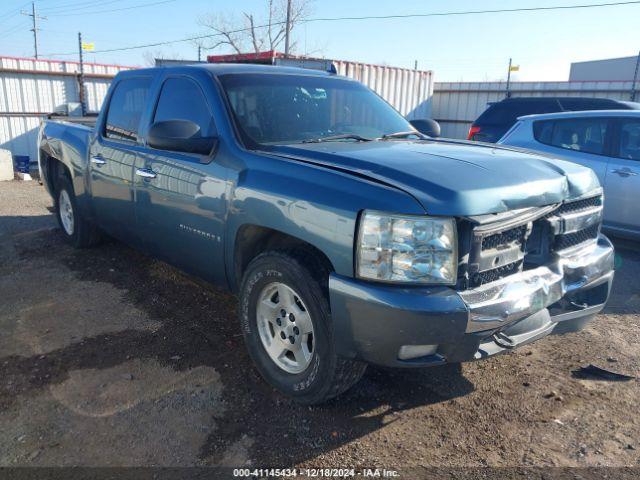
230, 68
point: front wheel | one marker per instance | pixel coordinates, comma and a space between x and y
286, 324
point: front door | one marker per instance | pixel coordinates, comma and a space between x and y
113, 156
181, 197
582, 140
622, 185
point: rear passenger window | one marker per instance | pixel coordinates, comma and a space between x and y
629, 140
182, 99
579, 134
125, 108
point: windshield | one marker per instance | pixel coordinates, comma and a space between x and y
272, 109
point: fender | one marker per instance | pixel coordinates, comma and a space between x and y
69, 144
313, 203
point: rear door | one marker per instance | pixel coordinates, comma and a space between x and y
622, 187
113, 156
181, 197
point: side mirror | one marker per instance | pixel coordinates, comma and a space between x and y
427, 126
179, 136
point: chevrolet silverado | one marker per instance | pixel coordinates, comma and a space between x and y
349, 236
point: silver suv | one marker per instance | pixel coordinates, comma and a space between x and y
607, 141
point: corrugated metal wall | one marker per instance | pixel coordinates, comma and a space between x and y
455, 105
30, 89
409, 91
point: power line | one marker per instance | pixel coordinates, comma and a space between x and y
368, 17
95, 12
77, 5
79, 10
15, 28
474, 12
13, 12
46, 10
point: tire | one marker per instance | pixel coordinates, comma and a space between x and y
77, 231
326, 375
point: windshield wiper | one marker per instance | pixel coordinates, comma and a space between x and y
389, 136
345, 136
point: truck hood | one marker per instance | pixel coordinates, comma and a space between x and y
454, 178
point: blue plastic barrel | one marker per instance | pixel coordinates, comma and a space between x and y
21, 163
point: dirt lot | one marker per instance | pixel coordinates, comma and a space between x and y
108, 357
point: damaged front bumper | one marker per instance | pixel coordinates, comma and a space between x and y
517, 296
373, 322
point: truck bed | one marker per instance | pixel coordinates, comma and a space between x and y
66, 139
88, 120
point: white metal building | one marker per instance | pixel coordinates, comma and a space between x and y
620, 69
30, 89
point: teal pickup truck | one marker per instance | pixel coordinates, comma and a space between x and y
349, 236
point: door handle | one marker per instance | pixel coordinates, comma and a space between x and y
624, 172
98, 160
145, 173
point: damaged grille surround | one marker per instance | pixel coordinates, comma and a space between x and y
521, 262
504, 244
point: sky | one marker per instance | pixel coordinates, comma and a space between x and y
456, 48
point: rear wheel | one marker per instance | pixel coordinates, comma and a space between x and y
286, 322
77, 231
66, 213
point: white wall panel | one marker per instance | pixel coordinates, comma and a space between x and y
30, 89
409, 91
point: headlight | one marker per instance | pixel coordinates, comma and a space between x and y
406, 248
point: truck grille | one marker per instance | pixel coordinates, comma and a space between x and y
515, 234
579, 205
489, 276
576, 238
527, 239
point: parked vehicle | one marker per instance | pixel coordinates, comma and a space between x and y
608, 142
494, 122
349, 237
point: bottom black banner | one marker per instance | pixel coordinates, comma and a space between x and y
413, 473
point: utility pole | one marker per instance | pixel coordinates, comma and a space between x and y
199, 53
635, 79
287, 30
509, 79
34, 17
81, 76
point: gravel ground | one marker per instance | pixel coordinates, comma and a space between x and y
110, 358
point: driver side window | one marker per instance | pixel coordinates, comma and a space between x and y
182, 99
